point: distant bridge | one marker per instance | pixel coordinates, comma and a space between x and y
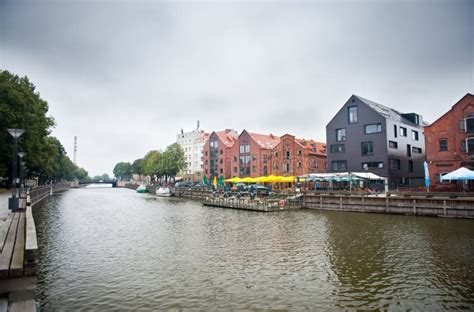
113, 182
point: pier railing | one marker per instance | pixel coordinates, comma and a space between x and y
412, 205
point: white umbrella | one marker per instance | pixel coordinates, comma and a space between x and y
459, 174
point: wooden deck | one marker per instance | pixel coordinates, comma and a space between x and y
19, 252
259, 204
18, 259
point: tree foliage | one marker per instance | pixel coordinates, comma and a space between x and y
122, 170
22, 107
159, 164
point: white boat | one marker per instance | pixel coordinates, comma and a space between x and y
142, 189
163, 192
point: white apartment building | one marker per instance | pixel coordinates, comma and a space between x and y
192, 143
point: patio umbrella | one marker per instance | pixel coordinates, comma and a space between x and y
459, 174
233, 180
248, 180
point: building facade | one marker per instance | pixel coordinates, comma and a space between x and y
450, 140
251, 156
367, 136
192, 144
293, 156
217, 154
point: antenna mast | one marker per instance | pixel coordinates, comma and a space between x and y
75, 150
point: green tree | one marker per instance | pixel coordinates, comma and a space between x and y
122, 170
152, 163
22, 107
172, 161
105, 177
137, 166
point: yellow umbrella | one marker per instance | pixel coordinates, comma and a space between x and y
289, 179
215, 182
232, 180
248, 180
261, 179
271, 179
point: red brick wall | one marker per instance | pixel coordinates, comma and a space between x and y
447, 127
310, 163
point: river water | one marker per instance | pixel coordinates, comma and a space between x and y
113, 249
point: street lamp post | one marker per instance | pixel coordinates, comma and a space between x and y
13, 202
22, 166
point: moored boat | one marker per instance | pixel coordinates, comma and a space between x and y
142, 189
163, 192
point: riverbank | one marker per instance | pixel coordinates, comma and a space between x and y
18, 251
453, 205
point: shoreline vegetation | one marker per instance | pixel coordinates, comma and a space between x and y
21, 106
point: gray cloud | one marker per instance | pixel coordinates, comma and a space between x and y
126, 77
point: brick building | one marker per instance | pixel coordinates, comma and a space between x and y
450, 139
293, 156
251, 156
217, 154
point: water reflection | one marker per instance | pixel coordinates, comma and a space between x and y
103, 249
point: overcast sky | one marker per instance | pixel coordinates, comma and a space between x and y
126, 76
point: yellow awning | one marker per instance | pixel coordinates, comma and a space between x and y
248, 180
233, 180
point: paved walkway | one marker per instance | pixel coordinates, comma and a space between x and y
4, 205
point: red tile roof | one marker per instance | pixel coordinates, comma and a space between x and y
312, 146
227, 137
265, 141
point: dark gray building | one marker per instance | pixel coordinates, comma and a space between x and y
367, 136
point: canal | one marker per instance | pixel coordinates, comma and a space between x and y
105, 249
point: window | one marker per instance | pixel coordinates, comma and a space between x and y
242, 160
247, 148
247, 159
265, 159
373, 128
221, 171
221, 161
395, 164
467, 124
288, 154
213, 144
247, 170
299, 153
337, 148
403, 131
254, 169
339, 165
410, 166
417, 150
443, 145
395, 132
205, 153
469, 145
241, 149
221, 152
276, 154
352, 114
299, 164
235, 158
340, 135
235, 169
254, 157
372, 165
408, 150
414, 135
367, 148
392, 144
287, 167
